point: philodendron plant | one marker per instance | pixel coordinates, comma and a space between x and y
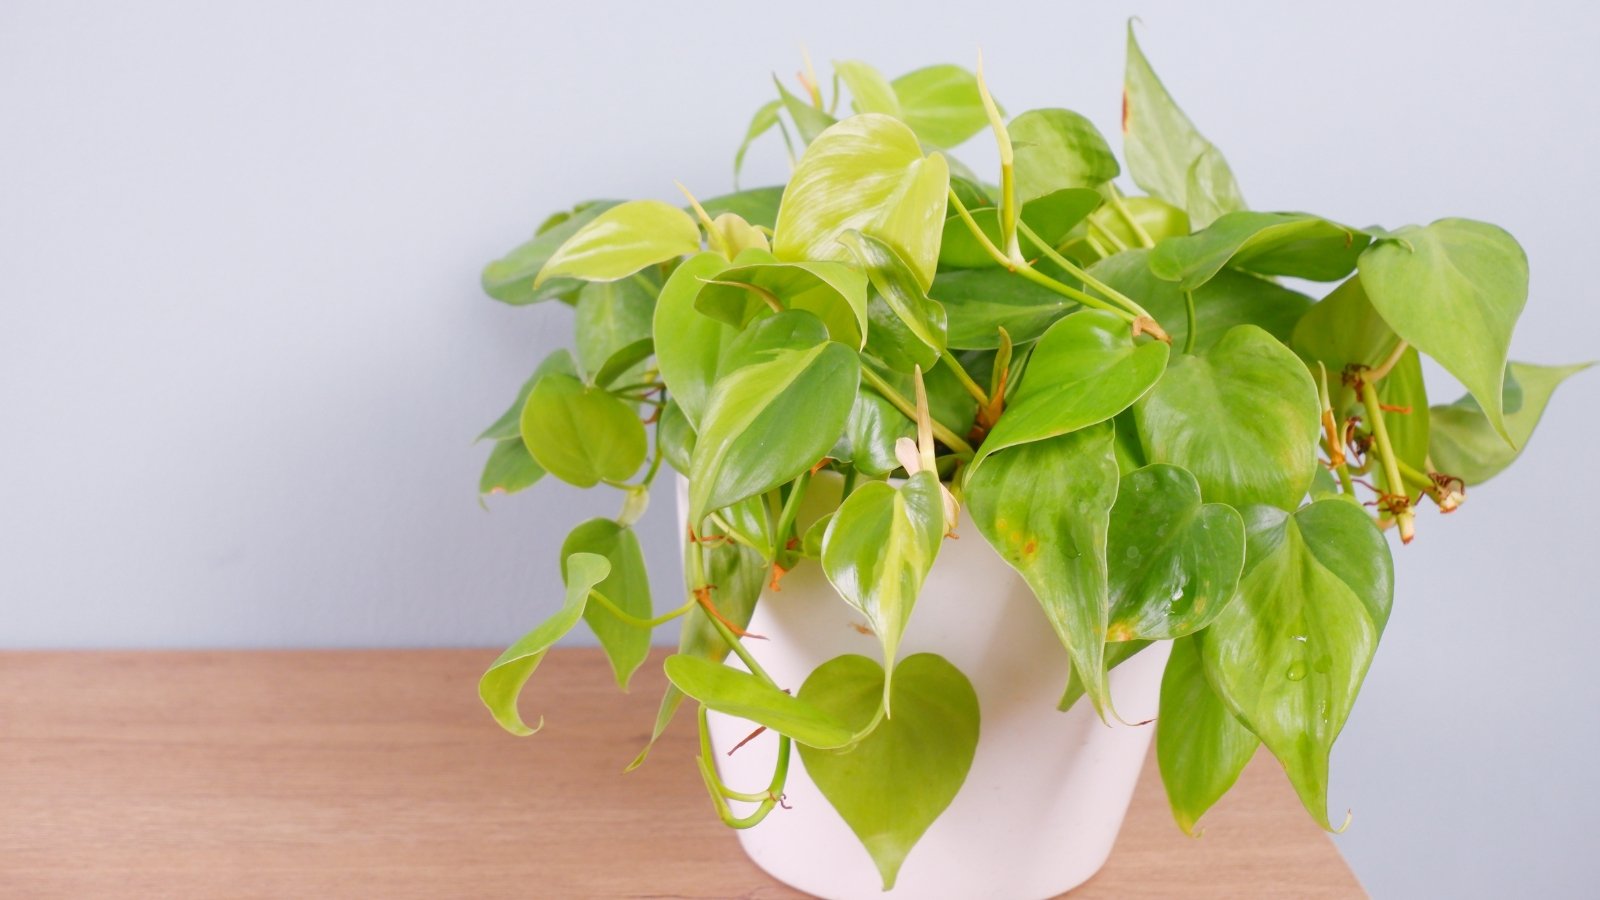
1166, 439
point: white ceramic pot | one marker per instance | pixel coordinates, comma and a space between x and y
1047, 792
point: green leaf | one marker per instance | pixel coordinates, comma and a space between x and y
1200, 747
771, 418
509, 425
808, 120
1296, 244
624, 359
1288, 655
867, 173
1166, 155
878, 549
758, 206
1051, 216
622, 240
898, 779
1454, 290
690, 343
1407, 419
502, 683
1463, 443
1116, 654
1058, 148
510, 279
898, 287
833, 292
1231, 298
627, 586
1045, 507
1340, 331
1175, 561
750, 522
1243, 417
941, 104
870, 433
1085, 369
611, 315
765, 119
581, 434
511, 468
737, 693
870, 92
979, 302
675, 437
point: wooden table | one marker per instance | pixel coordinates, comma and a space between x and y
377, 774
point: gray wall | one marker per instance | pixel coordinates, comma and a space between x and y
243, 354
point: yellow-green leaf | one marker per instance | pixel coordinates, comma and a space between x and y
622, 240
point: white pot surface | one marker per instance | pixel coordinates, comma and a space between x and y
1047, 792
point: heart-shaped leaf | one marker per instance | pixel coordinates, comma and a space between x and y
691, 342
1175, 561
1288, 655
611, 315
833, 292
1200, 747
870, 434
771, 418
1243, 417
1454, 290
1231, 298
898, 779
502, 683
510, 279
627, 586
1166, 155
1085, 369
1296, 244
1058, 148
867, 173
979, 302
737, 693
897, 286
941, 104
1045, 507
878, 549
1464, 444
509, 424
581, 434
622, 240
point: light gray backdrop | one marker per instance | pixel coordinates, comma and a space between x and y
243, 353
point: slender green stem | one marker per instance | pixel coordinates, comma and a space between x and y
1345, 482
1189, 319
849, 482
1107, 235
738, 648
1075, 271
906, 407
1096, 246
1384, 368
1393, 483
978, 393
720, 793
1412, 476
637, 622
786, 517
1122, 212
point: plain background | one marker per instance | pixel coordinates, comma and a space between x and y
243, 353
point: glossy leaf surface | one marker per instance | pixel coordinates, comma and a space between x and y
1045, 507
1200, 747
1174, 561
510, 279
1163, 147
502, 684
880, 546
737, 693
898, 779
833, 292
901, 291
867, 173
611, 315
690, 343
1085, 369
1058, 148
1228, 299
622, 240
1296, 244
1243, 417
627, 586
1464, 444
771, 417
1288, 655
979, 302
1454, 289
581, 434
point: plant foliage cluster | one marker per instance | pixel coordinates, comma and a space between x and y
1166, 440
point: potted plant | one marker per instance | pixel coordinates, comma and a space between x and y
1165, 448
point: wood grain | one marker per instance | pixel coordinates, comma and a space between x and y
377, 774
